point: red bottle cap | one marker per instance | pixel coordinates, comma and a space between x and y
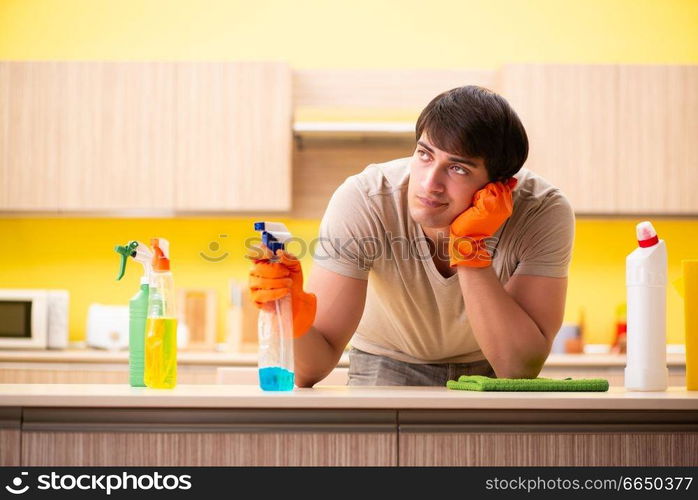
646, 235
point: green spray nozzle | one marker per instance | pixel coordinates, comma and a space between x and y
139, 252
125, 251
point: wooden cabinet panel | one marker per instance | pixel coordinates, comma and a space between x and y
233, 136
188, 437
80, 136
614, 138
150, 136
392, 90
31, 110
153, 449
548, 449
9, 447
10, 436
658, 150
532, 437
571, 117
117, 142
321, 166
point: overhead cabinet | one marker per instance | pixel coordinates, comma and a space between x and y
144, 136
234, 131
208, 137
615, 138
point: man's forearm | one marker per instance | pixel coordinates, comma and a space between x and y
314, 358
510, 340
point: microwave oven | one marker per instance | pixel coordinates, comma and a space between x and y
33, 319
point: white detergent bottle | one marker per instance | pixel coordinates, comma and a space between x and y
646, 278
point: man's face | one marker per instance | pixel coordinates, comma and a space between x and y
446, 180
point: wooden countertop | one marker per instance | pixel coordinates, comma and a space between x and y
250, 359
329, 397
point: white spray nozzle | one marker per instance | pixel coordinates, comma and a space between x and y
144, 255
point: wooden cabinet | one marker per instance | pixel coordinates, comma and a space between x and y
116, 150
276, 436
233, 147
538, 449
168, 137
614, 138
30, 136
208, 437
547, 438
144, 136
10, 436
657, 154
115, 425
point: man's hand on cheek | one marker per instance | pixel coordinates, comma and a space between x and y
492, 205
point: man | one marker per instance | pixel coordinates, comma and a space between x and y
451, 262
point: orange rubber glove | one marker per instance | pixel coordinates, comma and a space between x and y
492, 205
270, 281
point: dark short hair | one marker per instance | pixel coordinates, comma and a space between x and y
476, 122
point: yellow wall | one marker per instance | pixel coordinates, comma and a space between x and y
78, 253
357, 33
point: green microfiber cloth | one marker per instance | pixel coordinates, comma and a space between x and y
481, 383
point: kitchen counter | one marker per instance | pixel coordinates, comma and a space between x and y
337, 397
223, 425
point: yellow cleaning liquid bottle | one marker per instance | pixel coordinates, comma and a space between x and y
161, 324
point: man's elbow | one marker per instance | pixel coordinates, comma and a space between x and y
302, 381
305, 379
519, 368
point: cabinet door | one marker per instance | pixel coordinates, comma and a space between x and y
10, 436
83, 136
30, 135
545, 438
571, 117
658, 153
152, 136
233, 137
117, 149
208, 437
614, 138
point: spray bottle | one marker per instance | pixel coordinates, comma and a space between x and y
161, 324
137, 309
275, 323
646, 276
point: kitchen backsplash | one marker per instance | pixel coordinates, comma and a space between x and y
78, 254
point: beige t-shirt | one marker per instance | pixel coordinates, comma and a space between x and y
412, 312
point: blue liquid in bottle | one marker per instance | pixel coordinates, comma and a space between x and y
275, 378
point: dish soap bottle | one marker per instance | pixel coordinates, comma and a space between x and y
161, 325
275, 323
646, 277
137, 309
